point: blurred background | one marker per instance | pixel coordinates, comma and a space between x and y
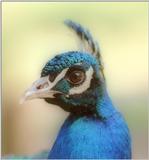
34, 32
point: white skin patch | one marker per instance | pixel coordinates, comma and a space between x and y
85, 85
42, 88
58, 78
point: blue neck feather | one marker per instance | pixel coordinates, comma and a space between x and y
91, 137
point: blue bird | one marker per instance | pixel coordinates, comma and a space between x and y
75, 81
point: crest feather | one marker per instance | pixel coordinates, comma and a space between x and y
88, 44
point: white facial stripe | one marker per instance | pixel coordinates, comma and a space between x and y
42, 88
85, 85
58, 78
49, 85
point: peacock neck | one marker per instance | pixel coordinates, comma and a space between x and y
104, 106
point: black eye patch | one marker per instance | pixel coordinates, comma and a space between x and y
53, 75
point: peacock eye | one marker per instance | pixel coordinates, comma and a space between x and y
76, 77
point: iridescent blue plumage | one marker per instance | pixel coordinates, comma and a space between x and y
65, 60
101, 132
89, 137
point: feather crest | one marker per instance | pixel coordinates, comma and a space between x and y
88, 44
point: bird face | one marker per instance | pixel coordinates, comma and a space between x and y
70, 80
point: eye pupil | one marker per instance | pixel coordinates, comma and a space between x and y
76, 77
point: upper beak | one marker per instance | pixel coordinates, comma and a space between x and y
39, 89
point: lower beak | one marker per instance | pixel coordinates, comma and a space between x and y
39, 89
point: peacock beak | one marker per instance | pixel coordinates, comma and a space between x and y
39, 89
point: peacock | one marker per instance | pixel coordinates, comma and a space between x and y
75, 81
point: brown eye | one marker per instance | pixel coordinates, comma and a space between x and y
76, 77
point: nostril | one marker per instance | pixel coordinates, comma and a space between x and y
39, 87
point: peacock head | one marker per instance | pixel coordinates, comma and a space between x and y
73, 80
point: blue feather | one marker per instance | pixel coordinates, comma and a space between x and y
89, 137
